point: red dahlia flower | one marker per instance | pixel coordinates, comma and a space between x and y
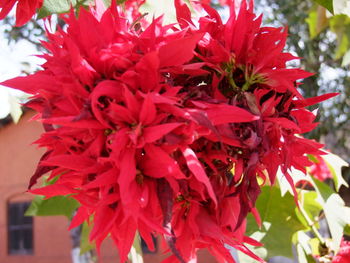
159, 128
24, 11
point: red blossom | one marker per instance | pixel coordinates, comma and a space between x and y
320, 169
343, 255
156, 128
24, 11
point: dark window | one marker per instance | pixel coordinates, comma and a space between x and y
145, 249
20, 229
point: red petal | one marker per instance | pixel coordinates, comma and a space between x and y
25, 10
123, 236
79, 218
40, 170
153, 133
127, 176
198, 171
183, 14
221, 114
73, 162
70, 121
31, 84
54, 190
159, 164
285, 123
103, 221
178, 51
148, 111
313, 100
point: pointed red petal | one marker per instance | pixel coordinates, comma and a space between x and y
124, 236
178, 51
81, 215
73, 162
53, 190
183, 14
148, 111
127, 176
313, 100
221, 114
153, 133
198, 171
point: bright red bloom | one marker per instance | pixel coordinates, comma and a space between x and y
158, 128
343, 255
320, 169
24, 11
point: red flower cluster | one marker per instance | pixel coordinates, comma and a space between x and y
167, 129
24, 11
343, 255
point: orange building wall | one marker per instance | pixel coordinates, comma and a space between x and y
52, 244
18, 160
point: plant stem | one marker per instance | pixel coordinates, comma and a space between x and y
311, 224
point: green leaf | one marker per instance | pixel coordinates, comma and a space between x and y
63, 6
312, 22
339, 24
317, 21
85, 244
328, 4
303, 247
58, 205
335, 164
337, 214
283, 183
315, 245
55, 7
302, 256
279, 222
347, 230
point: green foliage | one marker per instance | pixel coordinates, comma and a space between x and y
63, 6
311, 38
339, 24
280, 223
328, 4
85, 244
303, 249
54, 206
335, 164
285, 225
58, 205
317, 21
336, 213
55, 7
